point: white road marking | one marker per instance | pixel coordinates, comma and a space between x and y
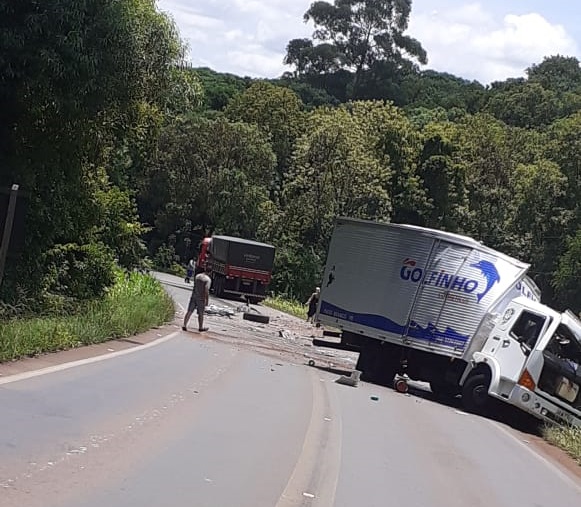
318, 464
82, 362
548, 463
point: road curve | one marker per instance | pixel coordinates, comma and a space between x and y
198, 421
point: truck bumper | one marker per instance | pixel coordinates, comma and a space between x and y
541, 408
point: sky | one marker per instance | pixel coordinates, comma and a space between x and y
478, 40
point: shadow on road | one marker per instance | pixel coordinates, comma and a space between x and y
335, 371
498, 411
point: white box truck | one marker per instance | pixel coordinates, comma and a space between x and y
445, 309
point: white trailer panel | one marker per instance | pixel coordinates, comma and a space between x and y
428, 289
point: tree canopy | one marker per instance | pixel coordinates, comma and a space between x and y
125, 153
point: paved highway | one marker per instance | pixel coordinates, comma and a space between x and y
209, 422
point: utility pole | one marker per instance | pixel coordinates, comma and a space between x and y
7, 229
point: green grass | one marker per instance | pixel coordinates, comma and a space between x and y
567, 438
291, 307
136, 303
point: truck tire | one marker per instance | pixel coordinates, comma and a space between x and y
254, 300
256, 317
219, 283
443, 391
475, 393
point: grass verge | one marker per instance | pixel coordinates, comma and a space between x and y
136, 303
291, 307
567, 438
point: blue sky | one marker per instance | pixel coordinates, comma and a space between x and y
483, 40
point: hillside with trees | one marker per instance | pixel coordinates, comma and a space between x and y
126, 153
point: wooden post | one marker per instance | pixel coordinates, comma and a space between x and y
7, 230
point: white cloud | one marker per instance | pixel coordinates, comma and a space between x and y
245, 37
471, 43
469, 39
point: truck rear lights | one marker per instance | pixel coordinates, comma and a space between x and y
526, 380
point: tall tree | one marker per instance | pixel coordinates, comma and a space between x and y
75, 76
355, 35
277, 111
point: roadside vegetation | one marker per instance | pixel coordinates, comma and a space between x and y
292, 307
135, 303
567, 438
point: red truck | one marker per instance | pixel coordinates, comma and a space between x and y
239, 266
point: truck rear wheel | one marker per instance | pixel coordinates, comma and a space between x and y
219, 282
475, 393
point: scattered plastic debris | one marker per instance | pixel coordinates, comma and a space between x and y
221, 311
460, 412
309, 495
352, 380
375, 398
287, 335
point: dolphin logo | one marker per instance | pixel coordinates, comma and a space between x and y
489, 272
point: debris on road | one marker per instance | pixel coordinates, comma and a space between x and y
262, 319
221, 311
375, 398
287, 335
352, 380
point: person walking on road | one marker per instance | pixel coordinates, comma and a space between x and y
199, 298
312, 304
190, 270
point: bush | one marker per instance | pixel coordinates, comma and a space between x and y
567, 438
135, 303
80, 271
290, 306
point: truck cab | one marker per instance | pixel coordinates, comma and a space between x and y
204, 254
533, 356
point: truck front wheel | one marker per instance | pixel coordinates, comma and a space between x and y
444, 391
475, 392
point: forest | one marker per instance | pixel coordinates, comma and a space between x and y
126, 155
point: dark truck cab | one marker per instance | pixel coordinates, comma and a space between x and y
239, 266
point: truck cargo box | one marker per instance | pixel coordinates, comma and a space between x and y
242, 253
410, 285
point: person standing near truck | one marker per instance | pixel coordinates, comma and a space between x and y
312, 304
199, 298
190, 270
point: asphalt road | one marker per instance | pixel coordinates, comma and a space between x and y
204, 421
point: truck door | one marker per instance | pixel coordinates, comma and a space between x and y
426, 319
560, 376
513, 338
